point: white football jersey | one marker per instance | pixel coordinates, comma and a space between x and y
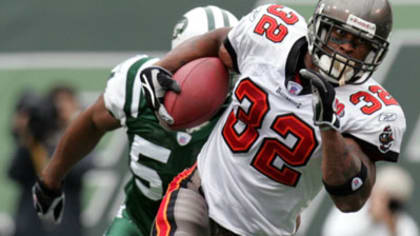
262, 163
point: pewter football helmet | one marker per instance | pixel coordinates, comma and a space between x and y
371, 20
201, 20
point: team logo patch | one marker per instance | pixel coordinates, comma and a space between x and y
180, 27
386, 138
356, 183
183, 138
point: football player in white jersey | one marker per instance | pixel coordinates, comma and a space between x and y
305, 113
156, 155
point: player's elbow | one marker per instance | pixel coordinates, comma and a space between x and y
349, 205
348, 208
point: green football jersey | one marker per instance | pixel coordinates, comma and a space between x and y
156, 155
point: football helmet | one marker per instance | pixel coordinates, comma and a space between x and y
370, 20
200, 20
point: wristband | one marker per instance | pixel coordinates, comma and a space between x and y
351, 186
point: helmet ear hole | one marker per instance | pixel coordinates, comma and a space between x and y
201, 20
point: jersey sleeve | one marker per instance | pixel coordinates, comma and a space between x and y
123, 88
268, 32
379, 131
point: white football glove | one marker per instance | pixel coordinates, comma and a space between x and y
155, 81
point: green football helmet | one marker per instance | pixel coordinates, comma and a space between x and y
201, 20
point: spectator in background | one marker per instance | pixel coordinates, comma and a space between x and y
37, 125
68, 107
24, 165
384, 215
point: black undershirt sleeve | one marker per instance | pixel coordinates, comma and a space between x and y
232, 54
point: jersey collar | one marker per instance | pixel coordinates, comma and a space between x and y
293, 82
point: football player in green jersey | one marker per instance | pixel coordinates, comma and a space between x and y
156, 155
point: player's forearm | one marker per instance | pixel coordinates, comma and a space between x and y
206, 45
338, 161
78, 140
341, 162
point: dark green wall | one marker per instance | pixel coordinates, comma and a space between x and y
125, 25
37, 25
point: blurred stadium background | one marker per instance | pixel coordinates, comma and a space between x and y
47, 42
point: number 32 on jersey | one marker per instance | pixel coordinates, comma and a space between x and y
269, 26
271, 148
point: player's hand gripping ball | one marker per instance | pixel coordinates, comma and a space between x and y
204, 86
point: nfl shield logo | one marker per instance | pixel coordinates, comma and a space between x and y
356, 183
294, 88
183, 138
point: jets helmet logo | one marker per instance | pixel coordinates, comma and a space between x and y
180, 27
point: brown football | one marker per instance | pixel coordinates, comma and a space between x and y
204, 86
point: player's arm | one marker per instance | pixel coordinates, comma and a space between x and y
206, 45
347, 172
78, 140
344, 164
157, 79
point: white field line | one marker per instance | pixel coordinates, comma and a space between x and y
106, 183
79, 60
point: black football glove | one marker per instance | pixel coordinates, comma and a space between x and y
323, 101
48, 204
155, 81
